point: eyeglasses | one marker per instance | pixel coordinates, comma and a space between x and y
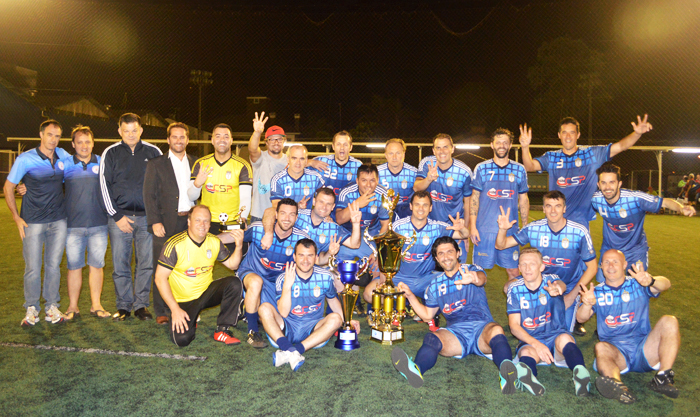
278, 140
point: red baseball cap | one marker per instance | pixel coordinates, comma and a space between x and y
274, 130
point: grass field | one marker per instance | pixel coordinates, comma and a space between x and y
242, 381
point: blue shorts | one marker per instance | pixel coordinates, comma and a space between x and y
92, 238
486, 255
268, 294
548, 341
418, 285
297, 334
468, 334
570, 314
633, 353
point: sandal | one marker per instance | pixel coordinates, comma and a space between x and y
70, 315
100, 314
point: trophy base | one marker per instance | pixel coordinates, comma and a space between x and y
228, 227
387, 337
347, 340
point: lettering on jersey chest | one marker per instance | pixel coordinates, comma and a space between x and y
546, 241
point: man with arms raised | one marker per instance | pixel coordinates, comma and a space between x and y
185, 279
296, 181
536, 315
459, 294
296, 323
566, 247
498, 182
572, 169
627, 340
398, 175
341, 168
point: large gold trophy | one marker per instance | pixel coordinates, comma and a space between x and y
388, 304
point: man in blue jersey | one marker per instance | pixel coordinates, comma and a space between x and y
566, 247
260, 267
398, 175
572, 169
418, 266
448, 181
498, 182
341, 168
296, 181
536, 315
623, 213
459, 294
627, 340
295, 323
41, 222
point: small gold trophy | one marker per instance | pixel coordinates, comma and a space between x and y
348, 272
388, 304
232, 224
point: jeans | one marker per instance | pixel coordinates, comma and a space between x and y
129, 297
51, 238
94, 239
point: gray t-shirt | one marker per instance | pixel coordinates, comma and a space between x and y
263, 170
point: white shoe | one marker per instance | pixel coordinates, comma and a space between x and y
296, 360
281, 357
31, 318
54, 315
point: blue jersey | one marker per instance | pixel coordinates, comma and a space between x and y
449, 190
268, 263
44, 202
419, 262
624, 220
498, 187
623, 312
401, 183
308, 296
83, 205
564, 253
283, 185
338, 176
574, 175
321, 233
458, 303
541, 315
372, 213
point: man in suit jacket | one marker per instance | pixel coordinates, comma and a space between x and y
167, 204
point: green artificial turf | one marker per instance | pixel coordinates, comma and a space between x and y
239, 380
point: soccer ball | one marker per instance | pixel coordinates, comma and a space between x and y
223, 217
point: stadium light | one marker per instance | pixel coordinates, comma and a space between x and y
376, 145
687, 150
471, 147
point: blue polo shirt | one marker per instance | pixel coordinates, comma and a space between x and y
44, 201
82, 181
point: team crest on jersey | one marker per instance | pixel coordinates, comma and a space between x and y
60, 165
625, 296
228, 175
209, 253
317, 291
349, 176
426, 240
322, 238
373, 209
404, 184
458, 286
306, 190
289, 250
515, 255
623, 213
577, 162
565, 243
511, 177
543, 299
96, 169
450, 181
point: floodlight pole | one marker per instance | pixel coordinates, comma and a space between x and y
200, 79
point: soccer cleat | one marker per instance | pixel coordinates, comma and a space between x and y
256, 340
509, 376
31, 318
417, 318
281, 357
663, 384
434, 324
225, 336
579, 330
614, 389
582, 381
54, 315
528, 381
406, 367
359, 311
296, 360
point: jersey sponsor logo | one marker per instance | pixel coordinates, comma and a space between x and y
621, 320
620, 228
452, 307
417, 257
571, 182
303, 310
532, 323
557, 262
495, 194
218, 188
275, 266
95, 169
440, 196
193, 272
60, 165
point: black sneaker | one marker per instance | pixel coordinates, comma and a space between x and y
663, 384
359, 311
614, 389
256, 340
579, 330
241, 311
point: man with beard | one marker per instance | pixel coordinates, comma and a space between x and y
397, 175
341, 168
498, 182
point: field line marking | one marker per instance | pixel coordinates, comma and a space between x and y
107, 352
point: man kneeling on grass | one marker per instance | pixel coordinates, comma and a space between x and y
297, 323
185, 279
537, 317
459, 294
627, 341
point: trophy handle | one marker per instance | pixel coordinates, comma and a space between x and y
368, 239
362, 267
411, 241
333, 263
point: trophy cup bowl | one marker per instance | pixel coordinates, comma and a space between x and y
348, 272
230, 224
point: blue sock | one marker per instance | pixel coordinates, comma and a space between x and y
531, 363
284, 343
428, 353
573, 355
300, 348
252, 321
500, 349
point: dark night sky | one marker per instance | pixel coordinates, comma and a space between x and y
309, 56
